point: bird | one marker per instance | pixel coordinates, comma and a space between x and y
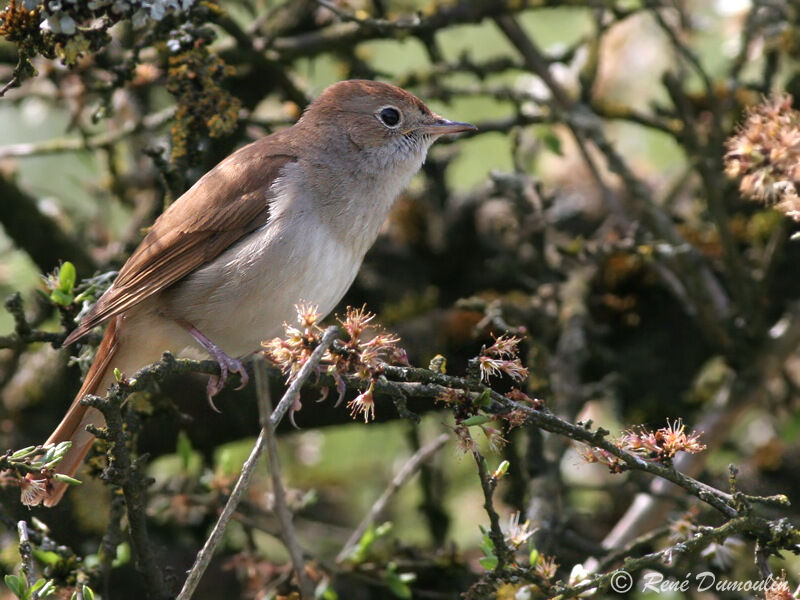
285, 219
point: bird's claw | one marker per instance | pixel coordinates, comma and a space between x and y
216, 383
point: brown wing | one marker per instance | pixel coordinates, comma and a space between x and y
225, 204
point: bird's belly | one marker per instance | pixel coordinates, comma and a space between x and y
247, 294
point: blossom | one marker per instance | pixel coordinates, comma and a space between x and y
518, 533
664, 443
501, 357
33, 490
363, 403
765, 155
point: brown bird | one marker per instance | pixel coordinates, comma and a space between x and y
285, 219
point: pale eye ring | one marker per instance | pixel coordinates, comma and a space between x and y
390, 116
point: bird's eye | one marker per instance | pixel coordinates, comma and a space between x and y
390, 116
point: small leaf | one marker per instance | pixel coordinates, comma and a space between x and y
397, 583
62, 447
364, 545
48, 589
12, 581
485, 399
488, 562
66, 479
66, 277
88, 593
61, 298
501, 469
475, 420
46, 557
533, 557
23, 452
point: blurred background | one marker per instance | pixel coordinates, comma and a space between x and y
590, 213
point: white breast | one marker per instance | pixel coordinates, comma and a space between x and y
309, 251
247, 293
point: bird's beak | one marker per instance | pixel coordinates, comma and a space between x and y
442, 126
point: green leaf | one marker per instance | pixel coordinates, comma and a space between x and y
22, 453
533, 557
66, 277
38, 585
88, 593
501, 470
364, 545
475, 420
13, 583
488, 562
397, 583
487, 545
48, 589
485, 399
46, 557
61, 298
66, 479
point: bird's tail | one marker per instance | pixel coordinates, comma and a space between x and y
73, 426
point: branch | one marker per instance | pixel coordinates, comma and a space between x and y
281, 509
350, 33
24, 333
248, 468
710, 302
128, 473
744, 390
752, 525
416, 382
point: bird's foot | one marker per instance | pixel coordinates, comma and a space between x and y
226, 364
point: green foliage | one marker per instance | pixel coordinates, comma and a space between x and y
88, 593
63, 285
18, 585
362, 551
489, 560
397, 582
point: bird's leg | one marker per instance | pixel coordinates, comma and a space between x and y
226, 363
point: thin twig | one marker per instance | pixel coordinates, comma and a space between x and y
408, 470
488, 485
14, 82
279, 493
25, 552
203, 557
